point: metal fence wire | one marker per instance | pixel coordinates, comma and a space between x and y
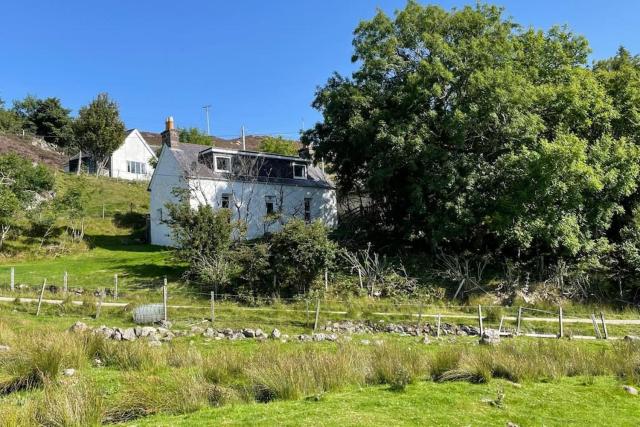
148, 313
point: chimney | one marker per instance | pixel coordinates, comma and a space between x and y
170, 136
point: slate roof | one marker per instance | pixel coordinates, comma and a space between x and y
277, 169
252, 142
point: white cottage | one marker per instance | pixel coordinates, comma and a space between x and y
132, 160
264, 190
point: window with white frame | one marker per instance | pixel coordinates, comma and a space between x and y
222, 163
138, 168
299, 171
307, 209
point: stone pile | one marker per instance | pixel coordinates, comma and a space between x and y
349, 327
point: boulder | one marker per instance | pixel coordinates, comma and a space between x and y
209, 333
4, 348
490, 337
276, 334
629, 389
69, 372
318, 337
631, 338
145, 331
197, 329
260, 334
128, 334
249, 333
78, 327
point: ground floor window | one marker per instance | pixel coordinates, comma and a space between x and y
139, 168
307, 209
270, 204
225, 200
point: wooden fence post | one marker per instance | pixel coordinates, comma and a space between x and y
595, 327
115, 283
500, 327
315, 325
99, 307
480, 319
213, 308
604, 326
44, 283
65, 283
307, 308
164, 299
360, 277
519, 320
438, 328
561, 332
13, 279
419, 318
103, 211
326, 279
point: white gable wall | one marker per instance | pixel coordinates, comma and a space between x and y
134, 148
168, 176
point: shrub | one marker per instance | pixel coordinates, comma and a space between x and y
76, 404
299, 253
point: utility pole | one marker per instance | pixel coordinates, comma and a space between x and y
206, 110
244, 146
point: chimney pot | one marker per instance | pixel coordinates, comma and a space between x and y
170, 136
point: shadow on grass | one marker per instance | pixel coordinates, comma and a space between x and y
150, 276
128, 243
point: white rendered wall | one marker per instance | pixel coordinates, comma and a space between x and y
167, 177
248, 201
132, 149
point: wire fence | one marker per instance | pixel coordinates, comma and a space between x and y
119, 293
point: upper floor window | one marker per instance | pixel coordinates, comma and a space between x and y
222, 163
139, 168
299, 171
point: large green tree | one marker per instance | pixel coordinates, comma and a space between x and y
99, 130
469, 132
279, 145
47, 118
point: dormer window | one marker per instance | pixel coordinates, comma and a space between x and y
299, 171
222, 163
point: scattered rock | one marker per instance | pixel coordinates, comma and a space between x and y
512, 424
78, 327
629, 389
365, 342
304, 337
145, 331
209, 333
97, 361
249, 333
155, 344
318, 337
631, 338
165, 324
4, 348
490, 337
128, 334
197, 329
426, 340
69, 372
276, 334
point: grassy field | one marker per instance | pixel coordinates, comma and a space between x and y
195, 381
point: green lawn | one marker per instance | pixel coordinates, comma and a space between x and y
576, 401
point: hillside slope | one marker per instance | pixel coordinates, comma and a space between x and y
33, 149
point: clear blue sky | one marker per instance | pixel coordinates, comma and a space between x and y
256, 62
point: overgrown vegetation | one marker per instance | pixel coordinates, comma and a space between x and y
465, 133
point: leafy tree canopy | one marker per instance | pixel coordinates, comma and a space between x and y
278, 145
470, 132
47, 118
194, 136
99, 129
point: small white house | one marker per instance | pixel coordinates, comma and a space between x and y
132, 160
261, 189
